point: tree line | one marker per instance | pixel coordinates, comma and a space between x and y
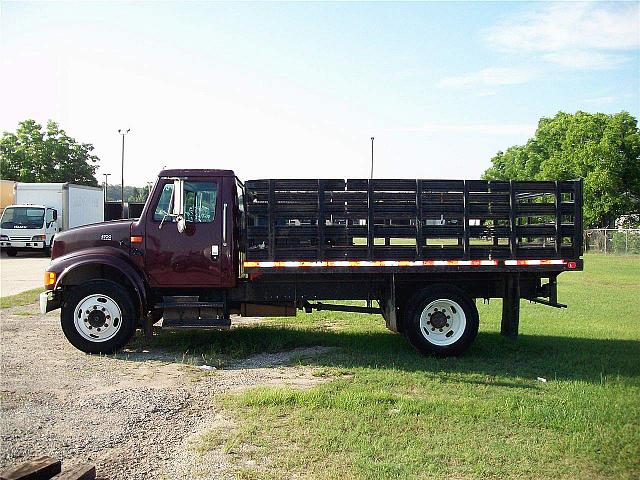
131, 194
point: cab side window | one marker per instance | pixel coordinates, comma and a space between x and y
164, 204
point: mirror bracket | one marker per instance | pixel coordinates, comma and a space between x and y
178, 198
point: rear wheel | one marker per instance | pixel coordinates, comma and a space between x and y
441, 320
98, 317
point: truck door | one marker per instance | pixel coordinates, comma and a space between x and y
191, 258
51, 224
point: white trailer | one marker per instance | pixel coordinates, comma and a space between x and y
43, 209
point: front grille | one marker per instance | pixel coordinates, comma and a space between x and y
20, 239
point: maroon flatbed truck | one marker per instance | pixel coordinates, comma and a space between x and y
418, 252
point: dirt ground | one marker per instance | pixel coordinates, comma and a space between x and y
133, 415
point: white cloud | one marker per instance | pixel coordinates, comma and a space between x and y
475, 128
574, 35
489, 77
601, 100
581, 59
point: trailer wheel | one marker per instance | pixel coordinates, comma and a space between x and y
98, 317
441, 320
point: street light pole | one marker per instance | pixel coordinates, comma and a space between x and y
106, 186
123, 133
372, 139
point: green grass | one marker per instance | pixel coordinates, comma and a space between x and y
483, 415
25, 298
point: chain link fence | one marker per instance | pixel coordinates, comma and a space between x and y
612, 240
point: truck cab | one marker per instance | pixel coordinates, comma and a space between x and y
28, 228
183, 250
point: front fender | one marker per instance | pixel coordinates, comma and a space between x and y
98, 256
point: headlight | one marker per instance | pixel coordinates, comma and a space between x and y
38, 238
4, 237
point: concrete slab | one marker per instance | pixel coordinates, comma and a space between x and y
21, 273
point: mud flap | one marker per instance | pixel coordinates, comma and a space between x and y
389, 311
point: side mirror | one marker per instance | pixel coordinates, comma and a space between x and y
177, 206
181, 224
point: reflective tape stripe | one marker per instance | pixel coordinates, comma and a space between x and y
401, 263
372, 263
520, 263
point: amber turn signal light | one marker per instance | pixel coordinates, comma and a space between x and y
136, 238
49, 278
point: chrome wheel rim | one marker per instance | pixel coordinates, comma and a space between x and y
442, 322
97, 318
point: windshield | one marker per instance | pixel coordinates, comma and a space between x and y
22, 217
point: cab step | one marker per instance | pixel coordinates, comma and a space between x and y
219, 323
190, 312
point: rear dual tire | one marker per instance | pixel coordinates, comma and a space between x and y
441, 320
98, 317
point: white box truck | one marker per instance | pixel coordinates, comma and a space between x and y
43, 209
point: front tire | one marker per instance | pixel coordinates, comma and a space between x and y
441, 320
46, 250
98, 317
11, 252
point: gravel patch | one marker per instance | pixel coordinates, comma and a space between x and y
133, 414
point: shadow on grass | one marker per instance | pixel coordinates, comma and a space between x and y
566, 358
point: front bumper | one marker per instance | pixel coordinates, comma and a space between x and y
21, 245
49, 301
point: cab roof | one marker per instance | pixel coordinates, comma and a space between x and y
196, 172
27, 205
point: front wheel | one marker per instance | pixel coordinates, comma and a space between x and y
98, 317
46, 250
441, 320
11, 252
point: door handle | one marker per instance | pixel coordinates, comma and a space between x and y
224, 225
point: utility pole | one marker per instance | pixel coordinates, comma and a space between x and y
372, 139
122, 132
106, 185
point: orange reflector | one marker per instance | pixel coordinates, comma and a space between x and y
136, 238
49, 278
572, 265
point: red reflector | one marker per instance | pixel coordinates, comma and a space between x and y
572, 265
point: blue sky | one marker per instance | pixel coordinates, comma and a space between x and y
297, 89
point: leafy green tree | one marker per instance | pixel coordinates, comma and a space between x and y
34, 154
602, 149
